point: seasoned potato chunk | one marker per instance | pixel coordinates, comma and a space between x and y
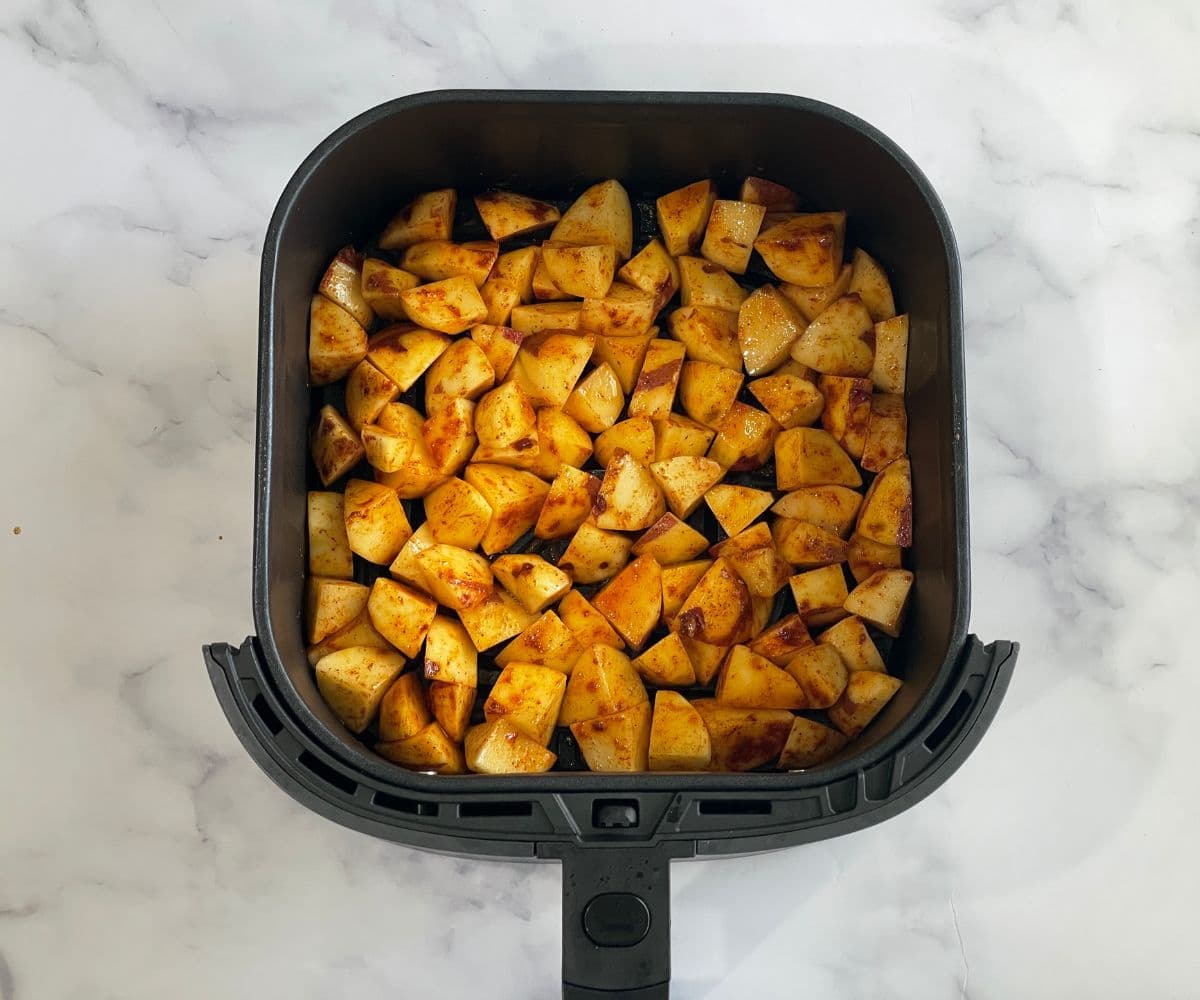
354, 681
678, 737
529, 697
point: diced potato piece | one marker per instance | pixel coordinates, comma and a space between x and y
718, 610
507, 214
866, 694
806, 249
543, 316
783, 640
634, 436
748, 680
451, 705
404, 353
528, 696
531, 580
400, 615
353, 682
887, 509
743, 738
708, 390
707, 334
603, 682
678, 737
458, 578
458, 514
449, 434
561, 442
887, 432
805, 545
809, 744
678, 581
450, 655
342, 283
851, 639
790, 400
622, 312
588, 625
376, 526
498, 618
597, 400
675, 435
819, 595
808, 456
881, 598
595, 555
866, 557
547, 642
841, 341
890, 367
430, 750
549, 364
501, 297
685, 480
336, 341
752, 555
403, 711
830, 507
544, 288
655, 390
522, 454
615, 743
368, 391
498, 747
767, 326
654, 271
669, 540
360, 632
504, 417
336, 449
847, 410
706, 658
602, 214
870, 283
429, 216
812, 300
515, 497
773, 197
398, 444
448, 306
461, 372
736, 507
761, 610
581, 271
821, 673
405, 566
666, 664
632, 601
389, 451
382, 285
330, 605
730, 234
745, 437
518, 267
436, 260
683, 215
624, 355
499, 345
329, 552
703, 283
629, 498
568, 503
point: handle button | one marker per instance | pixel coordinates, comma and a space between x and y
616, 920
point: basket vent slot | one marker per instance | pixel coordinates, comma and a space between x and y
949, 724
270, 719
734, 807
397, 803
494, 810
326, 773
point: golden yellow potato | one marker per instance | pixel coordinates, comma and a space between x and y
368, 391
635, 436
457, 514
847, 410
678, 737
451, 705
505, 417
890, 367
568, 504
743, 738
887, 432
675, 435
518, 268
819, 595
706, 658
677, 582
360, 632
499, 345
851, 639
404, 353
624, 355
881, 599
748, 680
353, 682
744, 439
451, 305
669, 540
336, 341
429, 750
540, 317
603, 682
594, 555
708, 333
549, 364
342, 283
529, 697
736, 507
492, 621
808, 456
866, 694
450, 655
730, 234
703, 283
791, 401
718, 610
886, 513
461, 371
629, 498
329, 552
866, 557
812, 300
403, 711
515, 497
401, 615
561, 442
376, 526
507, 214
589, 627
449, 434
870, 283
330, 605
614, 743
840, 341
805, 249
498, 747
708, 390
632, 600
596, 401
683, 215
602, 214
336, 449
783, 640
437, 260
429, 216
456, 577
821, 673
666, 663
685, 480
833, 508
382, 285
654, 392
806, 546
809, 744
581, 271
544, 288
501, 297
546, 642
653, 271
767, 326
752, 555
531, 580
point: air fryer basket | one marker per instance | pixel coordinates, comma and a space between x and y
615, 834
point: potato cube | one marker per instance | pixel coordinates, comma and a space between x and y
437, 260
330, 605
830, 507
615, 743
624, 355
783, 640
743, 738
851, 639
594, 555
812, 300
707, 334
602, 214
582, 271
886, 513
499, 345
448, 306
718, 610
498, 747
589, 626
676, 435
678, 580
761, 610
404, 711
866, 694
603, 682
745, 438
736, 507
703, 283
866, 557
529, 697
678, 737
869, 281
458, 578
382, 285
336, 449
398, 444
847, 410
890, 367
531, 580
336, 341
368, 391
449, 434
819, 595
568, 503
515, 498
429, 750
360, 632
462, 371
450, 655
376, 526
634, 436
653, 271
670, 540
451, 705
806, 249
329, 551
809, 744
404, 353
629, 498
767, 326
655, 390
400, 615
821, 673
353, 682
505, 418
685, 480
541, 317
752, 555
881, 598
498, 618
683, 215
708, 390
501, 297
405, 566
748, 680
632, 601
561, 441
546, 642
805, 545
730, 234
458, 514
549, 364
518, 267
596, 401
507, 214
389, 451
791, 401
544, 288
429, 216
342, 283
808, 456
841, 341
706, 658
666, 664
887, 432
773, 197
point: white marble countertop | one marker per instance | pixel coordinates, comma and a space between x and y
142, 853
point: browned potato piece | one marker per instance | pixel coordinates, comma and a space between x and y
404, 353
603, 682
890, 367
678, 738
461, 371
809, 744
589, 626
542, 316
531, 580
602, 214
708, 390
518, 266
632, 601
368, 391
330, 605
748, 680
736, 507
678, 581
501, 297
614, 743
336, 449
498, 747
706, 658
405, 567
773, 197
504, 417
596, 401
498, 618
840, 341
622, 312
881, 598
820, 594
707, 334
655, 390
752, 555
507, 214
342, 283
382, 285
718, 610
436, 260
568, 503
821, 674
768, 325
450, 655
867, 692
595, 555
360, 632
683, 215
675, 435
805, 249
666, 664
886, 512
549, 364
429, 750
516, 499
703, 283
887, 432
669, 540
851, 639
449, 306
624, 355
685, 480
745, 437
528, 696
400, 615
376, 526
403, 711
806, 546
634, 436
743, 738
871, 284
457, 514
449, 434
329, 552
499, 345
451, 705
783, 640
866, 557
428, 216
581, 271
397, 447
561, 441
336, 341
547, 642
791, 400
812, 300
730, 234
457, 577
353, 682
847, 410
654, 271
629, 498
544, 288
807, 456
830, 507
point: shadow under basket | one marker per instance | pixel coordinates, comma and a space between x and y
614, 834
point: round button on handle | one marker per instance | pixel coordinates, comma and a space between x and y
616, 920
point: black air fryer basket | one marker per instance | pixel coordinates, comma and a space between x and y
615, 834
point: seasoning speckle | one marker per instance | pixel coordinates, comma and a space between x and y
16, 529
